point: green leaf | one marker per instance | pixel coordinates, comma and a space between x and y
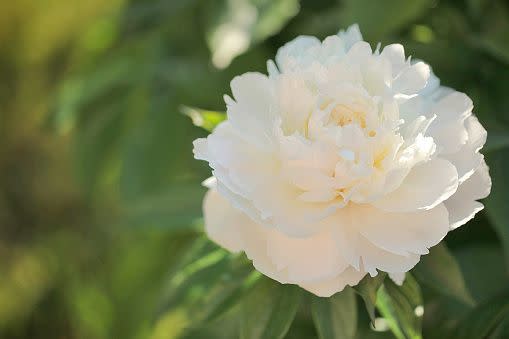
482, 271
481, 321
496, 202
440, 271
178, 208
205, 119
367, 289
207, 288
268, 311
335, 317
401, 306
376, 19
497, 140
233, 26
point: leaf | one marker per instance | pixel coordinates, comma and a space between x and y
496, 141
233, 26
401, 306
377, 19
205, 119
335, 317
367, 289
481, 321
179, 208
483, 274
440, 271
496, 202
268, 311
207, 288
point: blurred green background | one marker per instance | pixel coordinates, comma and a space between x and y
100, 198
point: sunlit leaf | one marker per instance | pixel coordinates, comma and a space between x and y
440, 271
234, 25
268, 311
207, 288
402, 307
205, 119
335, 317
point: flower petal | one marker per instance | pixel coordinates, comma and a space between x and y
402, 233
412, 79
306, 259
467, 159
426, 186
462, 206
326, 288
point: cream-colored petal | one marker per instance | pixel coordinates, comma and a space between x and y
462, 206
223, 223
402, 233
412, 79
426, 186
328, 287
306, 259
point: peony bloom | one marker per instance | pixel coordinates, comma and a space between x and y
342, 162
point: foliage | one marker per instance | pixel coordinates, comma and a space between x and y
100, 197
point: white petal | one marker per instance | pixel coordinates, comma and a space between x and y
412, 79
326, 288
448, 130
426, 186
402, 233
223, 223
252, 112
395, 53
467, 159
306, 259
462, 206
295, 53
296, 103
351, 36
233, 230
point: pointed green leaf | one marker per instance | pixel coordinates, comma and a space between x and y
335, 317
205, 119
401, 306
440, 271
268, 311
207, 288
367, 289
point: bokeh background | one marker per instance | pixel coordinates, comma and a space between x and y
100, 198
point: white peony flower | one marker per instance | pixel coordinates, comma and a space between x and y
343, 161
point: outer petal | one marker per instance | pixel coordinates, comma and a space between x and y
412, 79
233, 230
403, 233
462, 206
448, 129
326, 288
297, 53
426, 186
467, 159
253, 111
351, 36
307, 259
222, 222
